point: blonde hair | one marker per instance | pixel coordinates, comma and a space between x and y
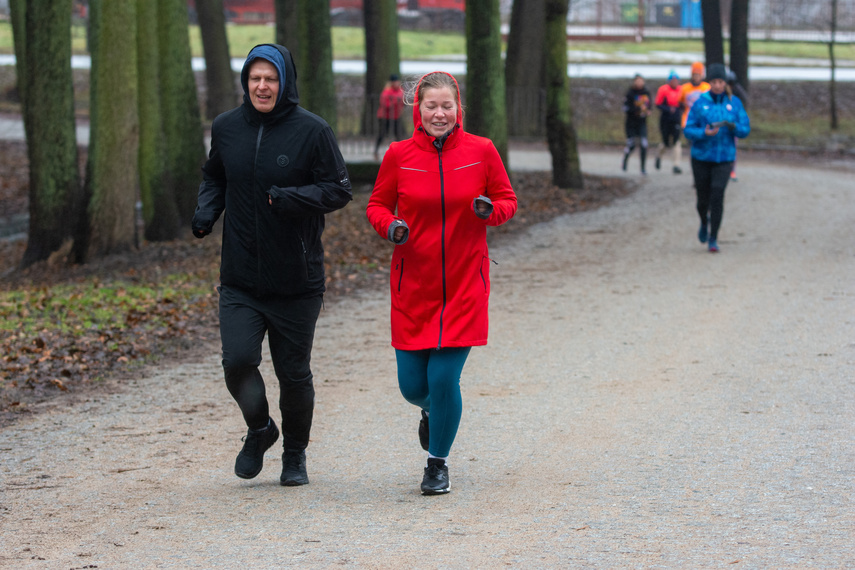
432, 80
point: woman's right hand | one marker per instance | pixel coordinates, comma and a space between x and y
711, 131
399, 234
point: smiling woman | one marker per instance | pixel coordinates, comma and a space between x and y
435, 195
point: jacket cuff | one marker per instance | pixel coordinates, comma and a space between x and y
200, 227
391, 232
484, 199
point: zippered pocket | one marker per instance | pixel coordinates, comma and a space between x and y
481, 271
400, 269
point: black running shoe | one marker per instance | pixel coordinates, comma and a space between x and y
435, 481
294, 469
250, 460
424, 431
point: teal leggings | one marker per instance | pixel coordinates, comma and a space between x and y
430, 379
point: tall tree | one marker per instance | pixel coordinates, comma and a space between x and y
315, 79
525, 77
832, 40
287, 29
160, 212
560, 132
382, 56
185, 146
485, 82
114, 128
18, 17
713, 43
43, 37
82, 233
739, 41
222, 90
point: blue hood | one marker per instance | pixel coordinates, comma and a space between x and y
281, 59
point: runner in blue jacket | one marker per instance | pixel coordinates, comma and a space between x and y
716, 119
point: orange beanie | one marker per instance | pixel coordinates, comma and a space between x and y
698, 67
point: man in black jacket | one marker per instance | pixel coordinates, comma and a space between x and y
275, 169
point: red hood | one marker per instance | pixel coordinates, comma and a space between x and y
417, 116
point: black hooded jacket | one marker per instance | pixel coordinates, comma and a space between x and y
288, 156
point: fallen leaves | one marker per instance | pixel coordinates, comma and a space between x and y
63, 328
68, 334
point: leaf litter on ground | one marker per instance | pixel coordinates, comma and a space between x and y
67, 329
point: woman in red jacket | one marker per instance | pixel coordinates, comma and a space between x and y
435, 195
389, 111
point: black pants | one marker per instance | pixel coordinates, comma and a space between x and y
670, 132
635, 131
385, 125
711, 179
290, 327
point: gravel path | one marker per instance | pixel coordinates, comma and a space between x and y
642, 403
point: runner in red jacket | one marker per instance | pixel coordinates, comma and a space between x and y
389, 112
435, 195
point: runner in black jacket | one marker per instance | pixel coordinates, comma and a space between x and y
276, 170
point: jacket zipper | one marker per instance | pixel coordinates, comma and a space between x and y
257, 236
401, 275
305, 257
442, 241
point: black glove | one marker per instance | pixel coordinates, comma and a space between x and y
200, 227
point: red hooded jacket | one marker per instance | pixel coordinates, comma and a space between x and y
440, 278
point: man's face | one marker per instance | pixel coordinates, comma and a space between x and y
263, 85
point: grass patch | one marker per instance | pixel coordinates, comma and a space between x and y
95, 305
349, 43
810, 50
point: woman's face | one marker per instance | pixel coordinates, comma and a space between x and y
438, 108
717, 86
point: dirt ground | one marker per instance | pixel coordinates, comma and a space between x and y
642, 403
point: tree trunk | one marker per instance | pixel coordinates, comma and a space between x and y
160, 212
54, 192
382, 57
561, 134
315, 79
114, 129
18, 17
739, 42
713, 43
287, 29
833, 63
182, 123
82, 233
524, 68
485, 82
222, 89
